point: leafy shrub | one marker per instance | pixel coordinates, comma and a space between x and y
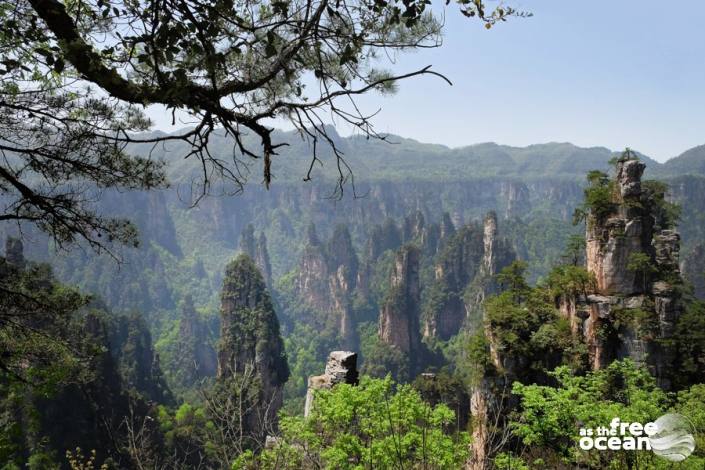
376, 424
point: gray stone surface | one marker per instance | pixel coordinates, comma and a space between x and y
340, 368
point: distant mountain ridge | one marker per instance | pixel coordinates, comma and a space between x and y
399, 158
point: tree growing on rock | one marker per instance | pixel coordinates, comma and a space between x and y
252, 364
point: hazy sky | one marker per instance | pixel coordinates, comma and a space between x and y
611, 73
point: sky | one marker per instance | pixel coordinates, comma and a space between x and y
612, 73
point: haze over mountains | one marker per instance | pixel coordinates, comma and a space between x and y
413, 257
536, 187
405, 158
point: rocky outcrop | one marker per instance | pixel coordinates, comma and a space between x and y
311, 281
635, 305
480, 400
516, 195
340, 368
464, 276
247, 241
399, 316
256, 248
457, 265
693, 268
326, 279
262, 259
382, 237
612, 239
341, 253
413, 226
195, 358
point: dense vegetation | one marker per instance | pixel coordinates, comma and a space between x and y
137, 332
142, 354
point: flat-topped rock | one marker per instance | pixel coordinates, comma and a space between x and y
340, 368
602, 299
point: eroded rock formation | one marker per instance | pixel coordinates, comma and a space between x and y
262, 259
195, 356
250, 342
399, 315
256, 248
413, 226
326, 279
635, 304
340, 368
464, 276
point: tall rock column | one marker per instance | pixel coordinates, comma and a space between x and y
250, 342
248, 245
262, 259
634, 306
196, 358
256, 248
399, 317
464, 276
611, 239
325, 281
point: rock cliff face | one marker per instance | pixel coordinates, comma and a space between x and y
435, 236
382, 237
399, 315
140, 366
311, 281
413, 226
326, 279
612, 239
195, 357
693, 268
256, 248
464, 277
635, 265
262, 259
340, 368
250, 342
385, 236
517, 196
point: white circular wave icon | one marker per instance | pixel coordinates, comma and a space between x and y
673, 440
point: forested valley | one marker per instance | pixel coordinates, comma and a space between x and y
455, 308
216, 254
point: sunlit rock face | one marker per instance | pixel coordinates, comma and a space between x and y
464, 277
341, 367
399, 316
629, 230
632, 310
325, 280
